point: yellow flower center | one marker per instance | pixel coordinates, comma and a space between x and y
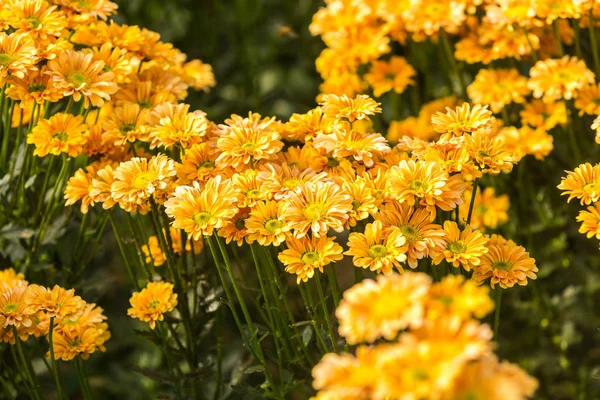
10, 307
34, 21
36, 87
457, 247
377, 251
409, 232
75, 343
417, 186
419, 374
446, 300
503, 265
76, 79
290, 183
125, 128
141, 181
249, 146
62, 136
310, 257
481, 209
153, 304
332, 162
240, 224
591, 187
207, 165
355, 204
201, 217
253, 193
5, 59
390, 76
273, 225
313, 212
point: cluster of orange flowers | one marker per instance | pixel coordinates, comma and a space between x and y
435, 348
584, 184
78, 328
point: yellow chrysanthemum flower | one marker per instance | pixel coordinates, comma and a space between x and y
126, 124
62, 133
35, 86
596, 126
56, 302
463, 119
198, 75
304, 255
198, 164
588, 100
14, 309
352, 109
249, 189
79, 187
18, 55
583, 183
343, 143
283, 179
498, 87
266, 224
459, 299
373, 309
395, 74
488, 153
556, 79
590, 221
363, 201
198, 211
150, 305
171, 124
461, 248
539, 114
80, 341
505, 263
489, 210
378, 249
317, 208
9, 278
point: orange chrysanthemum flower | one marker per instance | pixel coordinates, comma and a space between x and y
199, 211
150, 305
282, 179
76, 74
374, 309
198, 164
464, 247
583, 183
318, 207
56, 302
198, 75
539, 114
590, 221
395, 74
18, 55
342, 143
588, 100
249, 189
498, 87
172, 124
378, 249
62, 133
14, 309
101, 185
463, 120
421, 235
556, 79
80, 341
456, 299
10, 278
340, 107
38, 19
304, 255
235, 229
488, 153
596, 126
505, 263
266, 224
489, 210
364, 203
126, 124
79, 187
244, 141
35, 86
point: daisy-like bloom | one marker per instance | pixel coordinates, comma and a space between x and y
489, 210
464, 247
583, 183
345, 376
18, 55
596, 126
139, 178
38, 19
505, 263
590, 221
62, 133
198, 75
378, 249
76, 74
304, 255
372, 309
304, 127
340, 107
463, 119
342, 143
498, 87
88, 10
235, 229
539, 114
244, 141
14, 309
283, 179
56, 302
318, 207
426, 19
266, 224
126, 124
198, 164
489, 379
9, 278
249, 189
488, 153
363, 201
525, 140
414, 223
458, 299
556, 79
172, 124
153, 252
116, 60
395, 74
410, 127
199, 211
101, 185
425, 183
35, 86
80, 341
588, 100
150, 305
79, 187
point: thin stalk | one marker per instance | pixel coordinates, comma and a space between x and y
556, 27
497, 312
130, 270
309, 303
577, 31
594, 43
333, 284
23, 375
473, 194
83, 379
55, 370
26, 362
533, 53
325, 309
453, 65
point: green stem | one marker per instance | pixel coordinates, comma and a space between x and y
453, 65
594, 44
334, 284
310, 305
497, 312
577, 31
473, 194
325, 309
556, 27
533, 53
26, 362
55, 370
119, 241
83, 379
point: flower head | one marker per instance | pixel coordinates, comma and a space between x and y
150, 305
583, 183
395, 74
339, 107
304, 255
465, 119
461, 247
62, 133
556, 79
266, 224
